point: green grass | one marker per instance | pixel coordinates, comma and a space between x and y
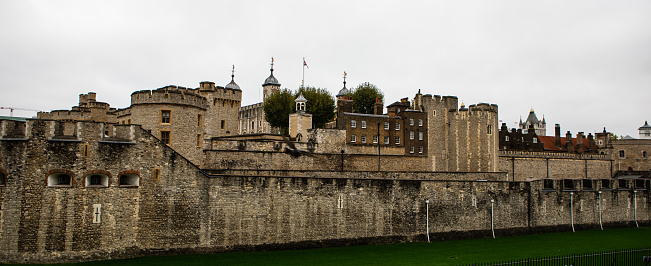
436, 253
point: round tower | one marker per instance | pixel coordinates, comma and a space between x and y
270, 84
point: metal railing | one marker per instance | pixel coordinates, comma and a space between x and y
612, 258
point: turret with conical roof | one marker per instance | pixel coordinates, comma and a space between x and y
344, 91
344, 105
232, 84
271, 84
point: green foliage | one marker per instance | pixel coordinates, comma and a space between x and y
277, 108
320, 104
613, 136
364, 98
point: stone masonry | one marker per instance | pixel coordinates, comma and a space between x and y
151, 200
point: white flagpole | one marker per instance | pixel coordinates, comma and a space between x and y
303, 80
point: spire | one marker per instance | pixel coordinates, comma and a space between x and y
343, 91
233, 85
271, 80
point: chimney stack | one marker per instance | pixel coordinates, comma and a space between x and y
568, 142
579, 142
557, 133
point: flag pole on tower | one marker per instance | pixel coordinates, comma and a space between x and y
304, 66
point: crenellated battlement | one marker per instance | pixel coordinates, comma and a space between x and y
170, 95
54, 130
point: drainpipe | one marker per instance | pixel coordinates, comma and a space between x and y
572, 210
635, 206
492, 227
427, 204
600, 224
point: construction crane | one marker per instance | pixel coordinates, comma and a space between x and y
11, 109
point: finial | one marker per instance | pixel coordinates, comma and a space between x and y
233, 72
531, 110
462, 104
272, 64
345, 74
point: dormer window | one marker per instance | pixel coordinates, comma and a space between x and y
535, 140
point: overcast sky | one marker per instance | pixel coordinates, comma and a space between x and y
583, 64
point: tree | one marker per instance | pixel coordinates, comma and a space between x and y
364, 98
320, 104
613, 136
277, 108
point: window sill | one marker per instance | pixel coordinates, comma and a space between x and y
128, 186
60, 186
548, 190
96, 186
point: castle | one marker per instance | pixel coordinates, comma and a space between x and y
169, 175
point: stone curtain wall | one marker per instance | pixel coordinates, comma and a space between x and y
178, 209
537, 165
277, 160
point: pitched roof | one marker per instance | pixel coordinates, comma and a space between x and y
549, 143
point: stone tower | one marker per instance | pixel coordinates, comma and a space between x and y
344, 105
271, 84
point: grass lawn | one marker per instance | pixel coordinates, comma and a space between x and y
436, 253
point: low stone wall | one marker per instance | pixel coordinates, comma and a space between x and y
522, 166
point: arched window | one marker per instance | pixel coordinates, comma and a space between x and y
59, 179
129, 179
97, 180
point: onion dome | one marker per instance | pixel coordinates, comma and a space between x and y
343, 91
271, 80
233, 85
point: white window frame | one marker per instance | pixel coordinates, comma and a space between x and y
375, 139
386, 125
386, 140
363, 138
420, 122
353, 124
411, 135
411, 122
420, 149
397, 140
363, 124
420, 135
411, 149
353, 138
397, 126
